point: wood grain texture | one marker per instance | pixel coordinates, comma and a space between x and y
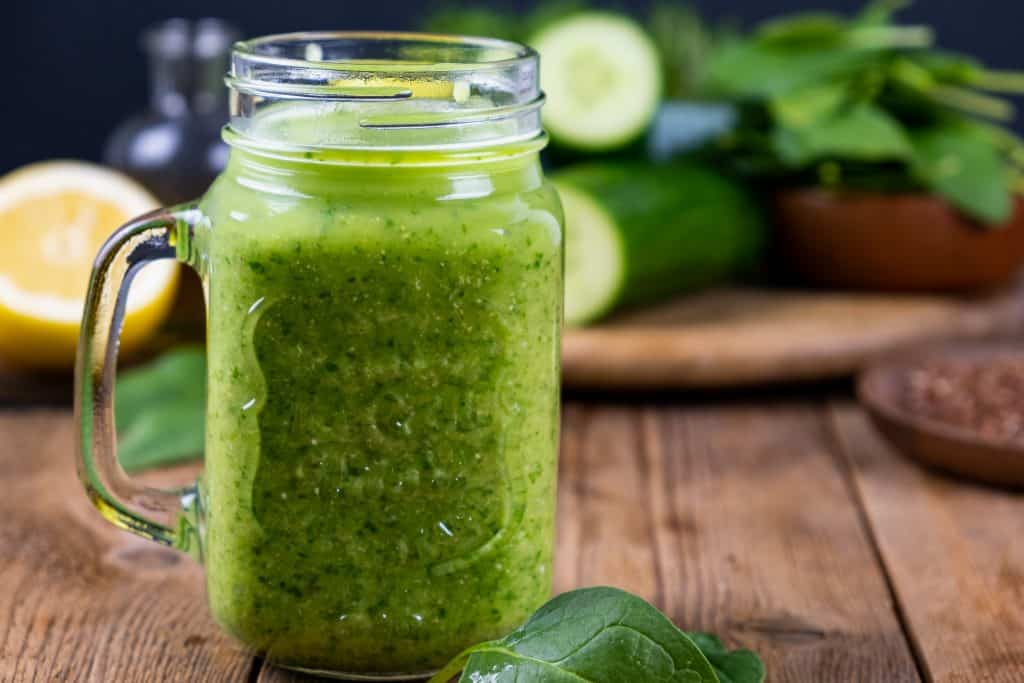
80, 600
733, 337
732, 519
954, 553
765, 523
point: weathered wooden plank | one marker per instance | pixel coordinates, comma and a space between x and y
738, 520
80, 600
954, 554
604, 473
570, 496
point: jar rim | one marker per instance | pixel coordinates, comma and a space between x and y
251, 46
250, 54
398, 90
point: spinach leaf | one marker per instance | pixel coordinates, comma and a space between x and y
811, 28
160, 409
868, 103
962, 163
752, 69
737, 666
948, 66
597, 635
863, 132
807, 106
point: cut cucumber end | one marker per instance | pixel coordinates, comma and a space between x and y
595, 259
603, 79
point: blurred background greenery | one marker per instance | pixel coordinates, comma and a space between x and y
78, 68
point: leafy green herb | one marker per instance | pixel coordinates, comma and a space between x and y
601, 635
864, 102
808, 106
863, 132
160, 410
964, 164
751, 70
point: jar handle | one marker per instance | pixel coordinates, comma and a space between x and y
156, 514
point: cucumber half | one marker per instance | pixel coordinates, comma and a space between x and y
638, 232
595, 258
603, 79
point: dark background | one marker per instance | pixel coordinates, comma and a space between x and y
78, 70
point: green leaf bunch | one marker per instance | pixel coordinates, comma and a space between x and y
864, 102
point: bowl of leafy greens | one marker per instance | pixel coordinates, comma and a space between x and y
890, 162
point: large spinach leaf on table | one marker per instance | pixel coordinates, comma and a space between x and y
599, 635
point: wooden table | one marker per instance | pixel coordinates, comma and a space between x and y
784, 524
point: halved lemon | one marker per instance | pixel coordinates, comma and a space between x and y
54, 216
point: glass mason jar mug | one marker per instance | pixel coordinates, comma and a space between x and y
382, 262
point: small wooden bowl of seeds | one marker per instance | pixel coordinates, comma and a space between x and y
959, 408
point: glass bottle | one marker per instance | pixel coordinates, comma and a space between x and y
174, 148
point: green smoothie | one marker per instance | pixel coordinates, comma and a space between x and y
383, 402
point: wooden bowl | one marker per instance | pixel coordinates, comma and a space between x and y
949, 448
894, 242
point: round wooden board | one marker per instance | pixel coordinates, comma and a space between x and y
736, 337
